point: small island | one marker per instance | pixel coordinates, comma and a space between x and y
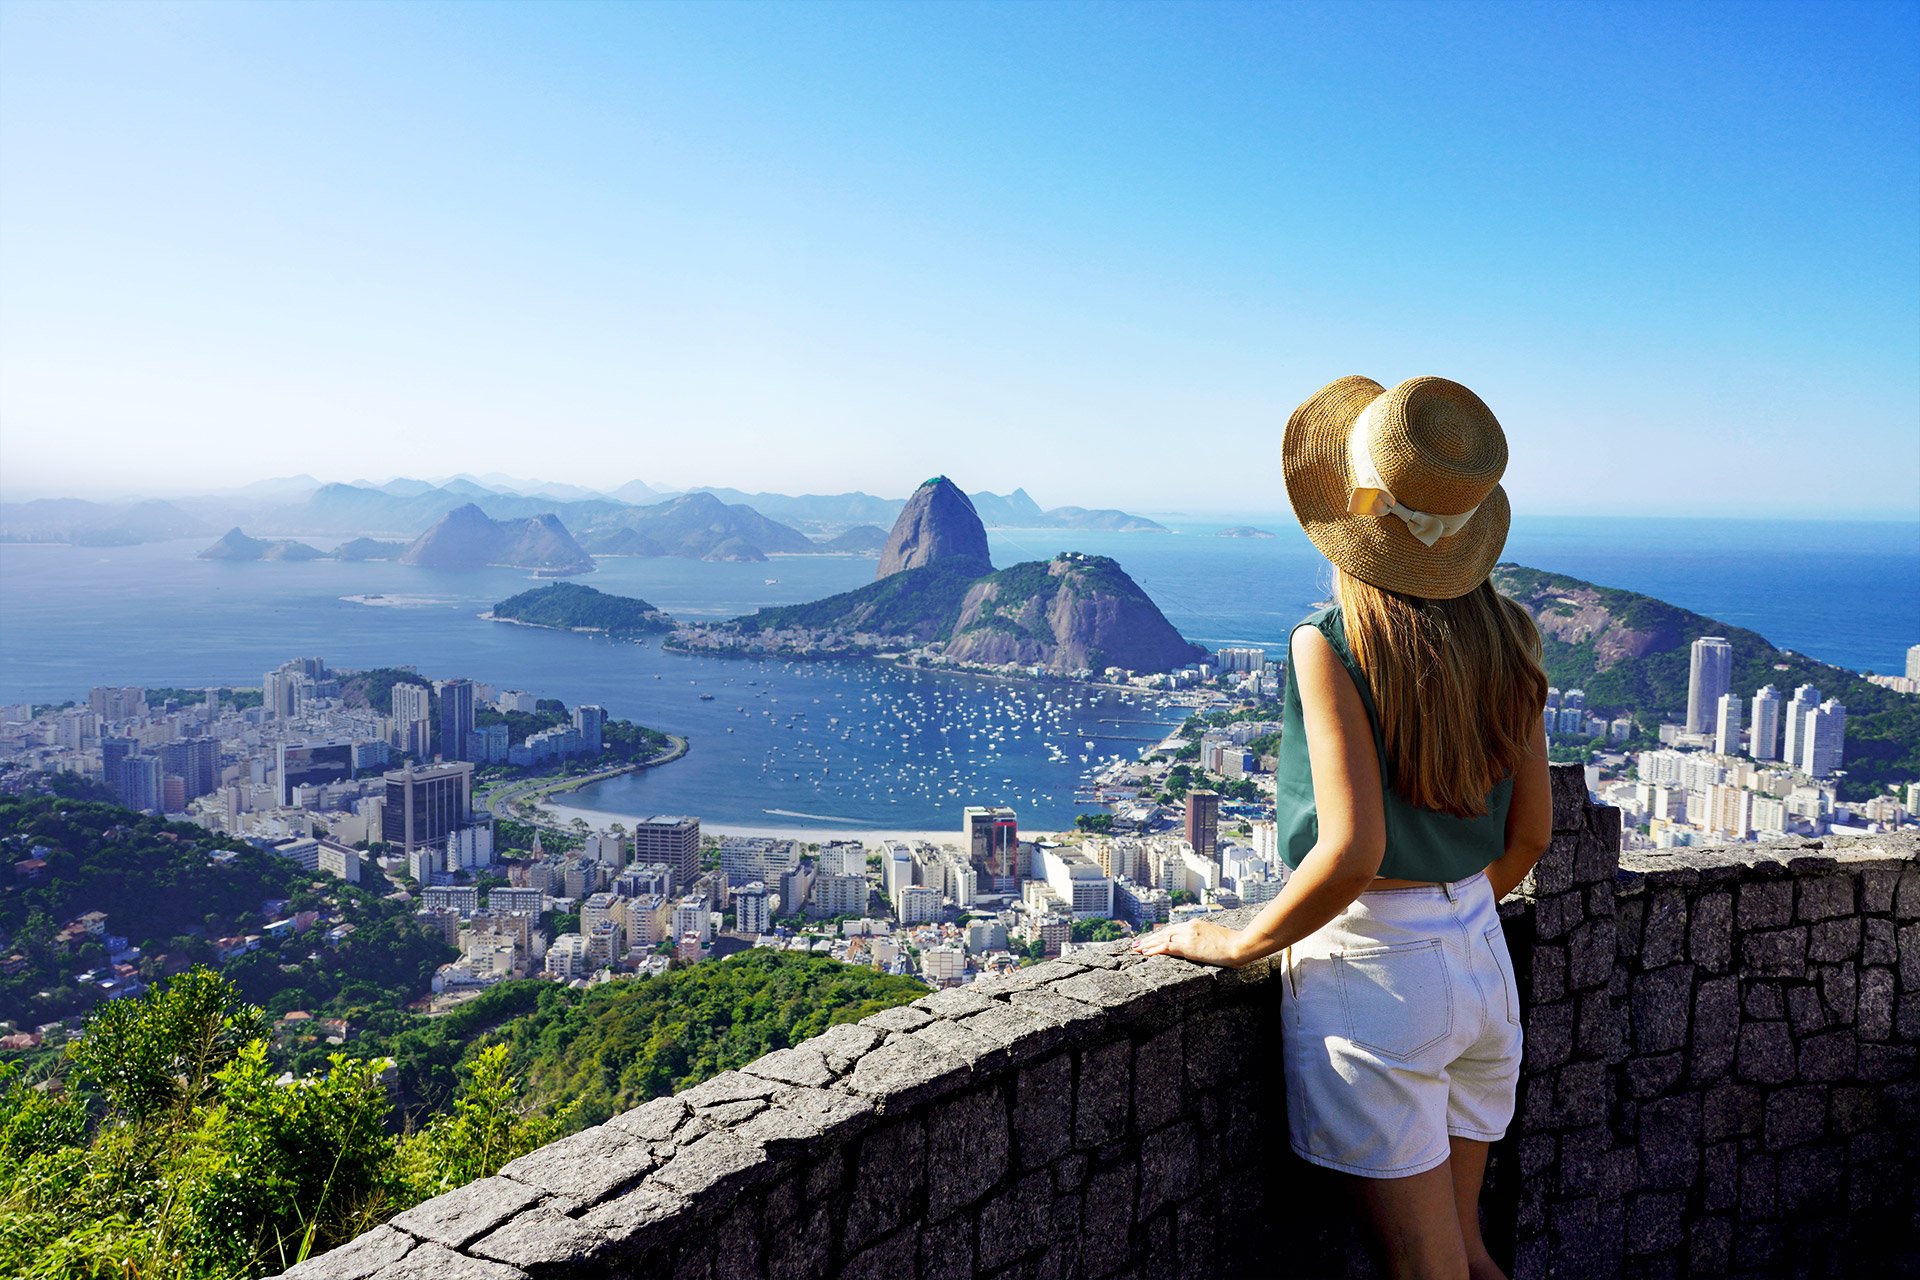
1243, 531
568, 606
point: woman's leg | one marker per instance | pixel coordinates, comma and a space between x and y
1417, 1224
1469, 1166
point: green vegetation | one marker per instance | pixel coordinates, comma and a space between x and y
1883, 727
374, 688
1097, 823
919, 604
167, 1149
607, 1048
172, 889
569, 605
1098, 929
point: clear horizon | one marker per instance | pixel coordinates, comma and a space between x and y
1097, 252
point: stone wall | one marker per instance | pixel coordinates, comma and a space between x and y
1719, 1077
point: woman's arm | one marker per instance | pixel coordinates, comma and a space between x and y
1352, 822
1529, 817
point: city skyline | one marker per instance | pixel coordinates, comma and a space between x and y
814, 248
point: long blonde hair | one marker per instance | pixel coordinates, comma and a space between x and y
1457, 684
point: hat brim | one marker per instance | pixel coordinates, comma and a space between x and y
1377, 549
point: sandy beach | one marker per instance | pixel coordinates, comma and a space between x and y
599, 821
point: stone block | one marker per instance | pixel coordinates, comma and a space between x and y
655, 1121
1599, 1028
1884, 1063
1828, 1057
900, 1018
836, 1113
1016, 1222
1756, 1188
1652, 1075
541, 1239
1102, 1090
1834, 940
465, 1215
1716, 1023
586, 1167
904, 1073
713, 1167
843, 1045
1567, 784
1169, 1167
1824, 897
1906, 895
1664, 939
1907, 948
1073, 1019
1024, 1034
1710, 931
1590, 954
1043, 1111
1764, 999
888, 1183
1731, 1111
1660, 1005
1852, 1109
1709, 1245
1806, 1012
1108, 990
1876, 890
886, 1259
1670, 1141
1549, 1035
1656, 1222
1879, 945
1108, 1218
736, 1245
1839, 991
1765, 904
980, 1052
357, 1259
1629, 922
779, 1132
967, 1150
639, 1219
1219, 1043
954, 1002
1549, 972
1719, 1177
1795, 1115
433, 1261
946, 1250
727, 1087
1780, 953
1811, 1179
1158, 1077
1765, 1054
804, 1066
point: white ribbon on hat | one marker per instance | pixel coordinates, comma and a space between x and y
1371, 497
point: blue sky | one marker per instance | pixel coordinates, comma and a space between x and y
1097, 250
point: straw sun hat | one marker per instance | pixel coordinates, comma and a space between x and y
1400, 488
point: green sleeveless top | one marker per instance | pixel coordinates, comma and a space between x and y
1422, 844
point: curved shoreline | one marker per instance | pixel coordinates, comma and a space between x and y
540, 790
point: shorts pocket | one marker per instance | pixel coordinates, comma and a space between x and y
1497, 944
1397, 999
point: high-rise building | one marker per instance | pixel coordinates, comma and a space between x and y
425, 805
1805, 699
1203, 821
1823, 739
312, 765
992, 835
1726, 725
1913, 662
1711, 677
1763, 735
137, 781
591, 721
413, 719
456, 717
674, 841
750, 908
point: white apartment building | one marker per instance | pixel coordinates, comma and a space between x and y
1763, 734
1710, 678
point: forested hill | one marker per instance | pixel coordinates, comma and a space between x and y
1631, 651
570, 606
174, 890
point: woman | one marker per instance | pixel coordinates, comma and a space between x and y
1411, 796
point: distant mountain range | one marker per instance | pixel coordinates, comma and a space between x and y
402, 508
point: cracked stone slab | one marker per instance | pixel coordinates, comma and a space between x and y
727, 1115
541, 1238
1022, 1031
728, 1086
635, 1220
843, 1045
1103, 989
357, 1259
801, 1066
902, 1018
585, 1167
835, 1112
979, 1052
954, 1002
903, 1073
713, 1166
780, 1132
1070, 1016
1169, 976
654, 1121
466, 1214
436, 1262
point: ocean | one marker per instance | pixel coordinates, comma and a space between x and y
904, 750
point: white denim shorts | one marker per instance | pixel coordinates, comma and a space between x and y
1402, 1028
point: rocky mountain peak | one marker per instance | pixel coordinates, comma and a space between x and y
937, 524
